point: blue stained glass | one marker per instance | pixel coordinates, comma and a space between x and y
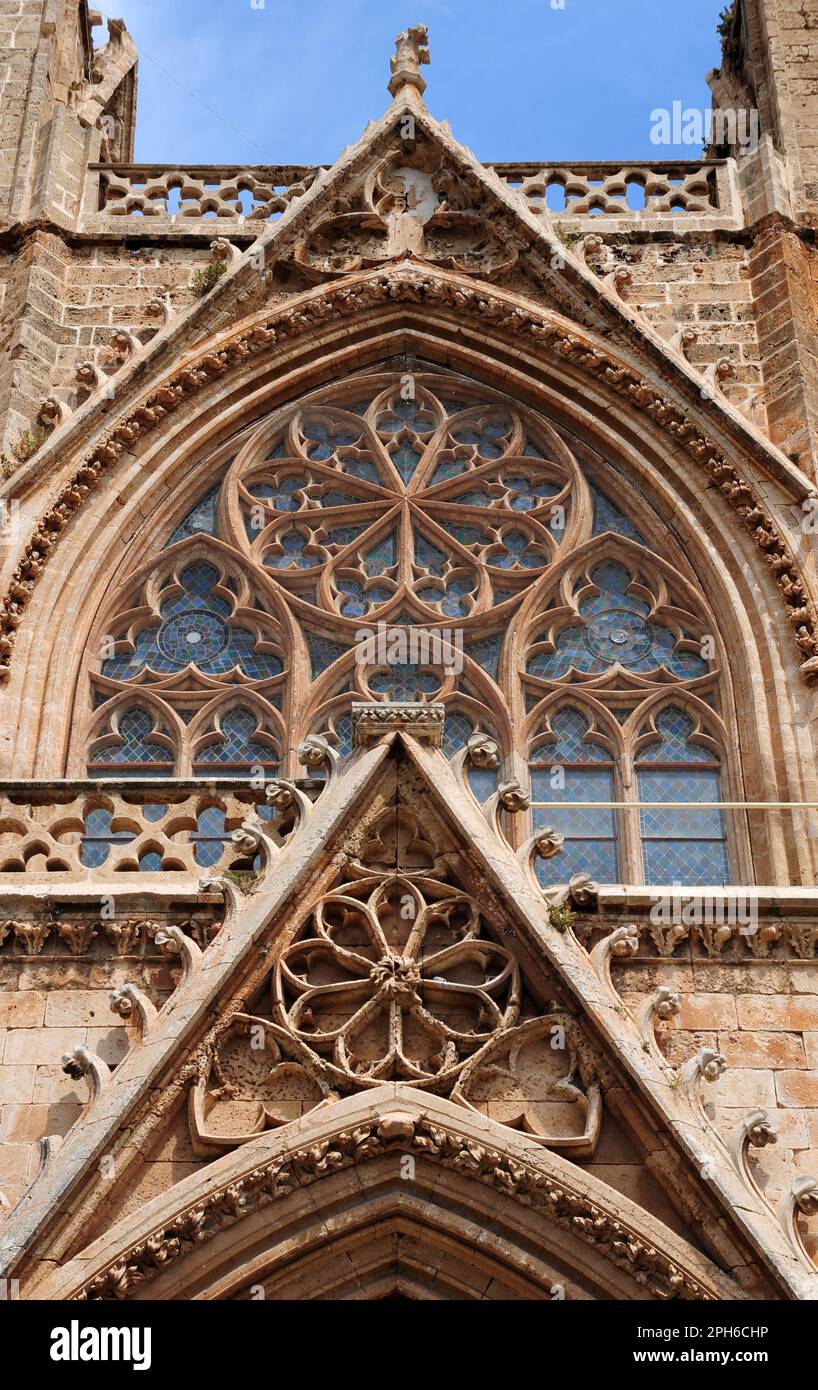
485, 439
150, 862
457, 730
616, 630
361, 468
323, 652
690, 785
519, 552
486, 654
325, 441
98, 837
339, 499
403, 682
692, 862
135, 746
525, 494
194, 629
382, 557
675, 728
450, 468
293, 545
209, 838
428, 557
343, 733
579, 785
594, 857
406, 461
608, 517
202, 518
193, 636
282, 495
237, 746
472, 498
402, 415
467, 535
570, 727
344, 535
153, 812
483, 782
359, 600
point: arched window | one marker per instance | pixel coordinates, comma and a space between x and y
415, 501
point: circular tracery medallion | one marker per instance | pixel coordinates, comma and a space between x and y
619, 635
193, 636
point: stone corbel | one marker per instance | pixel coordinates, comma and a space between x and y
251, 839
622, 943
510, 797
223, 250
543, 844
160, 307
131, 1004
662, 1004
227, 888
481, 751
801, 1200
682, 341
53, 412
126, 344
89, 375
617, 281
316, 751
753, 1131
707, 1065
173, 942
81, 1061
285, 795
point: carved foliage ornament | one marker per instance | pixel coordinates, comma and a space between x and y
662, 1277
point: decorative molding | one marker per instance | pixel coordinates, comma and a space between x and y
511, 1175
371, 721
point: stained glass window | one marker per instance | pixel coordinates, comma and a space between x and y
98, 837
616, 629
195, 629
135, 754
237, 749
200, 520
566, 769
685, 843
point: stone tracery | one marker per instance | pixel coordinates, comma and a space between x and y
396, 502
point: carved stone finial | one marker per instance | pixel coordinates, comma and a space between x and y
411, 51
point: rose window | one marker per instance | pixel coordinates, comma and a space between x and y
388, 984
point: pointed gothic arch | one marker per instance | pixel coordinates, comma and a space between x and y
567, 396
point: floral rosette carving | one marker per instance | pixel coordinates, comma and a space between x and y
396, 983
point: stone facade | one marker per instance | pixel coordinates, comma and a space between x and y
290, 931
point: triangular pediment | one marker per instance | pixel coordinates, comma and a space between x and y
395, 939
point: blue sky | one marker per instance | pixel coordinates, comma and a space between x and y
295, 81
